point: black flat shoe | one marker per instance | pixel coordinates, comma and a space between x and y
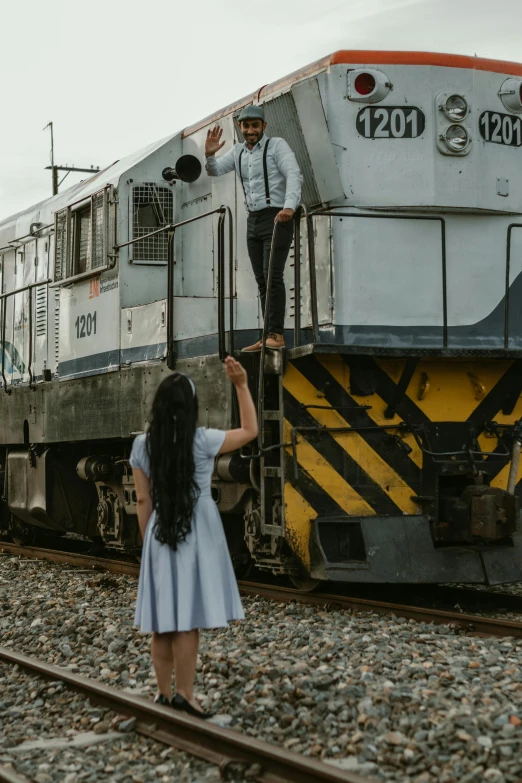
163, 700
180, 703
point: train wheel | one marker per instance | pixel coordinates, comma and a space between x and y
22, 535
304, 583
242, 570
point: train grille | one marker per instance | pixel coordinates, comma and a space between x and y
152, 208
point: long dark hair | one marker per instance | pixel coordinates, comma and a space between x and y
169, 446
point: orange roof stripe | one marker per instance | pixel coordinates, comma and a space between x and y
347, 56
364, 56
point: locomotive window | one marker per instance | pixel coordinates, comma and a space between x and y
84, 236
152, 208
81, 232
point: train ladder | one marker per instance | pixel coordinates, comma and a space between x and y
271, 462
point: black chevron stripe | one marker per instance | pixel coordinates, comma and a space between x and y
405, 408
340, 461
380, 441
488, 408
322, 503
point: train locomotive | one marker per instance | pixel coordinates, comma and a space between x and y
390, 426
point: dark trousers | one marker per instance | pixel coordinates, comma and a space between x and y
260, 227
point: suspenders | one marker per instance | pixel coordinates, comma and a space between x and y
265, 172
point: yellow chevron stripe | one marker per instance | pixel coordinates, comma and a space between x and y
371, 462
298, 517
455, 388
328, 479
501, 479
486, 443
341, 372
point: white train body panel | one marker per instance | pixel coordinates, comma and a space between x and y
412, 173
89, 333
380, 281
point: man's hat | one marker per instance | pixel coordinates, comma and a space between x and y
252, 113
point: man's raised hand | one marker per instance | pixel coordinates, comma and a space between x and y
213, 143
284, 215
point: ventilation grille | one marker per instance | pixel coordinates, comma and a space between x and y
152, 208
41, 310
281, 116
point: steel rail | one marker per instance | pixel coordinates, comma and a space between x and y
500, 599
8, 775
470, 623
193, 735
72, 558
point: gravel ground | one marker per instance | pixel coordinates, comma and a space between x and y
382, 696
46, 714
513, 588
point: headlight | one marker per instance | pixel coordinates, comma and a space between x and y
367, 85
455, 108
511, 95
456, 138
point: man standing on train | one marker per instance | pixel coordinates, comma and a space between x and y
271, 181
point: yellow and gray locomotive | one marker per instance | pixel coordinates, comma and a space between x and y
390, 427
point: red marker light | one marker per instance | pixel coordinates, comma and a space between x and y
365, 83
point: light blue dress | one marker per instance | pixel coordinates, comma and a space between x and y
193, 586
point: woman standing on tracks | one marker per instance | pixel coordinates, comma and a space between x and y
186, 578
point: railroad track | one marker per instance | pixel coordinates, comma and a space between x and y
466, 623
82, 560
459, 621
7, 775
223, 747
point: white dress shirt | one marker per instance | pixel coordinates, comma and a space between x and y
284, 176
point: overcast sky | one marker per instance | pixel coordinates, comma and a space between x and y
115, 75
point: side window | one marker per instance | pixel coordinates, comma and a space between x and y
81, 239
152, 208
84, 236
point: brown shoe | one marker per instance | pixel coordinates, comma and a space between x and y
275, 340
251, 348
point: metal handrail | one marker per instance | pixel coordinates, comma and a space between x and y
297, 304
311, 274
309, 217
335, 213
223, 212
297, 280
25, 288
508, 271
3, 301
261, 379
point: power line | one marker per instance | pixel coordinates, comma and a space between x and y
68, 169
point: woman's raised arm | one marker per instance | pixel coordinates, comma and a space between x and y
235, 439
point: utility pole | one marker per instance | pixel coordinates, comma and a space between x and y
52, 166
55, 169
